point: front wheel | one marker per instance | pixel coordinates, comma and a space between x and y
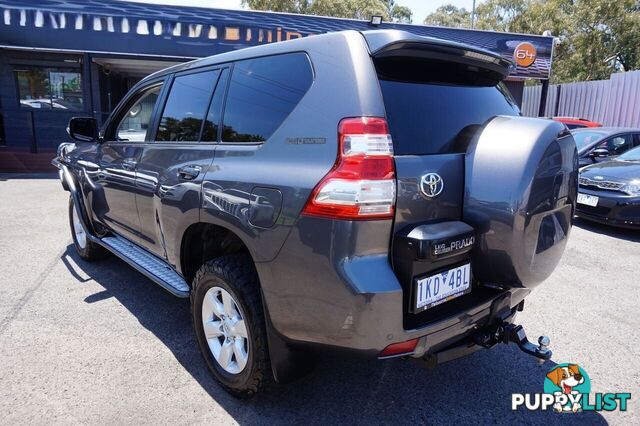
229, 323
87, 249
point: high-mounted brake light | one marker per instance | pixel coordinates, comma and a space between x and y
361, 184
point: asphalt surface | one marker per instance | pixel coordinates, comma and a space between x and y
99, 343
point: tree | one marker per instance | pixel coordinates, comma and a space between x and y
289, 6
355, 9
398, 13
449, 15
595, 37
501, 15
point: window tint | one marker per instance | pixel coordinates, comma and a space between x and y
186, 106
212, 123
431, 118
134, 124
262, 93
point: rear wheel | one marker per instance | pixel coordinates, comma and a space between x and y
87, 249
229, 323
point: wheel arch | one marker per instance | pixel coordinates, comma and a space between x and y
204, 241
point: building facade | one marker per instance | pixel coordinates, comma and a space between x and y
64, 58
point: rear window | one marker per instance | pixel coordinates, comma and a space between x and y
186, 107
427, 118
262, 93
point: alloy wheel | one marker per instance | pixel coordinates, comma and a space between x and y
225, 330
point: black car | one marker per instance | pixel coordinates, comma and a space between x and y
596, 145
609, 192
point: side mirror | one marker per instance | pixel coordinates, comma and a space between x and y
83, 129
600, 152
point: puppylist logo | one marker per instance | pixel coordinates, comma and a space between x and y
567, 389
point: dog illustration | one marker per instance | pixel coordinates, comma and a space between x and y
566, 378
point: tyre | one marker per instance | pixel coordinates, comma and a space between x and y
228, 319
87, 249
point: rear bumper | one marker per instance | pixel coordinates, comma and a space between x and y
613, 209
316, 294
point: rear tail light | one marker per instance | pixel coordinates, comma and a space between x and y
361, 184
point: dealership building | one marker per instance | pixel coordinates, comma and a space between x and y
66, 58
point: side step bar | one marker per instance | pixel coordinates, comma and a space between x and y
146, 263
155, 269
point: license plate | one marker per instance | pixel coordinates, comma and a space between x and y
589, 200
442, 287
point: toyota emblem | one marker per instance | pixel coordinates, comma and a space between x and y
431, 185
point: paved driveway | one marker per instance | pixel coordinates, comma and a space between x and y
99, 343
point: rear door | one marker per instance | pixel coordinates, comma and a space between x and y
432, 120
172, 166
435, 104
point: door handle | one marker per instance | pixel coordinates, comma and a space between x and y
129, 163
189, 172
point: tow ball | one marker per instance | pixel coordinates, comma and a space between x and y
506, 332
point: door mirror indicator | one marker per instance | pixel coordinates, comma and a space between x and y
83, 129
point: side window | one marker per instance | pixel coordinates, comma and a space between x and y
262, 93
636, 142
617, 145
186, 107
134, 124
214, 116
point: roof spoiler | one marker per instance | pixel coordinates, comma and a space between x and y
401, 44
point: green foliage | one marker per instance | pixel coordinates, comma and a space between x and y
501, 15
290, 6
596, 37
449, 15
355, 9
397, 13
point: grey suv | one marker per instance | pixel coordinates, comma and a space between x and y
371, 191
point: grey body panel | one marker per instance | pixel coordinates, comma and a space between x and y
167, 203
411, 205
332, 284
292, 169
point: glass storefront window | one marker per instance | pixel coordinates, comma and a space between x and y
49, 88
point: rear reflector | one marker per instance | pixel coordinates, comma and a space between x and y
361, 184
402, 348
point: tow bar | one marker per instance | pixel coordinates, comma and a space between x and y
505, 332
